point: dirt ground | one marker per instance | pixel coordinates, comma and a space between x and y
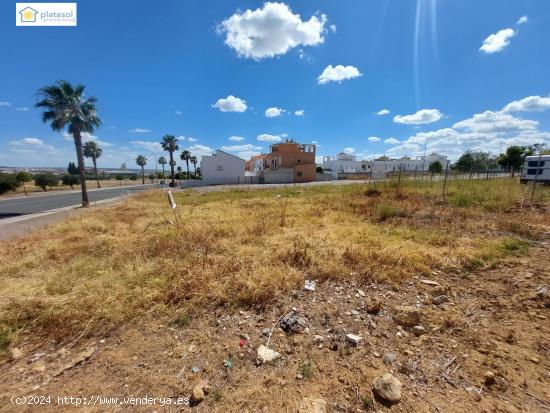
486, 349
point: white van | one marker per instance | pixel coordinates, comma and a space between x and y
536, 168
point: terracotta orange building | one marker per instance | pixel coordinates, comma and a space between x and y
287, 161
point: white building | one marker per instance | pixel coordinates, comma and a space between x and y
345, 163
222, 168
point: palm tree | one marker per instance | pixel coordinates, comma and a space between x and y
186, 156
194, 161
66, 105
170, 143
142, 161
162, 161
92, 150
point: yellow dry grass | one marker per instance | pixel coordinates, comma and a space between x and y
245, 248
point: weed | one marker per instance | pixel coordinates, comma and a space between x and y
306, 370
215, 394
367, 402
182, 320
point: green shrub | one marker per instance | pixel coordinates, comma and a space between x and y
8, 182
46, 179
69, 179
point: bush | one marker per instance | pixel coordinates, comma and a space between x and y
23, 177
46, 179
8, 182
69, 179
119, 177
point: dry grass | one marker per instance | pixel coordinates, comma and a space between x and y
245, 248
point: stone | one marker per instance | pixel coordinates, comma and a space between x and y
355, 312
309, 285
406, 315
318, 339
354, 339
431, 283
266, 331
292, 323
312, 405
374, 306
389, 358
16, 353
199, 392
440, 299
489, 378
388, 388
266, 355
418, 331
195, 370
361, 293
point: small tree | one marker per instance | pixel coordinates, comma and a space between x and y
162, 161
186, 156
92, 150
142, 161
8, 182
133, 178
72, 169
319, 169
70, 180
152, 177
193, 159
435, 168
512, 160
46, 180
22, 178
119, 177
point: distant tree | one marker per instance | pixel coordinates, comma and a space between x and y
133, 178
435, 168
193, 160
22, 178
119, 177
186, 156
152, 177
161, 175
170, 143
142, 161
92, 150
319, 169
46, 180
66, 105
8, 182
471, 161
512, 160
70, 180
162, 161
72, 169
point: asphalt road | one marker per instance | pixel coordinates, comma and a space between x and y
11, 207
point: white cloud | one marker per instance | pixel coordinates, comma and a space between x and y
337, 74
523, 19
6, 104
89, 137
498, 41
391, 141
383, 112
230, 104
27, 141
17, 150
241, 148
528, 104
22, 109
349, 151
192, 139
274, 112
374, 139
423, 116
151, 146
333, 28
314, 142
268, 138
247, 154
200, 150
270, 31
300, 112
236, 138
489, 121
139, 130
178, 112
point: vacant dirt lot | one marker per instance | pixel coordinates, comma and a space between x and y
451, 299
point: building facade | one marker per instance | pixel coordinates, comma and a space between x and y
289, 161
222, 168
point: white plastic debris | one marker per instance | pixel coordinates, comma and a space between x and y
309, 285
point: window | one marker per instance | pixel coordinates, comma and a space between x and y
534, 164
534, 171
299, 173
219, 168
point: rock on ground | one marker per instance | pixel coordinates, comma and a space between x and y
266, 355
311, 405
406, 315
388, 388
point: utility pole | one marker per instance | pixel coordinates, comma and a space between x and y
445, 179
424, 160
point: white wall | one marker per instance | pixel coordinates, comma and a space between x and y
222, 166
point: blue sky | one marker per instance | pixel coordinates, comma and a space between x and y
453, 75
